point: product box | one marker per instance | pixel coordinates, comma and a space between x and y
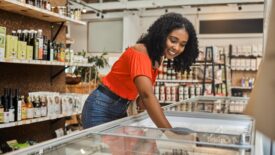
11, 47
29, 53
2, 42
21, 50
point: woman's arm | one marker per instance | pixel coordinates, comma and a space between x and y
145, 89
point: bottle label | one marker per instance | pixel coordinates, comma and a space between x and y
1, 115
24, 113
30, 113
37, 112
6, 117
43, 111
40, 49
19, 110
11, 115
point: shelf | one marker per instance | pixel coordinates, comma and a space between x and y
245, 56
180, 81
34, 120
187, 81
242, 88
201, 62
35, 12
44, 62
244, 70
169, 102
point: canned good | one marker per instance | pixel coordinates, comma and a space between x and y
173, 77
168, 97
178, 77
181, 97
157, 95
181, 90
160, 76
173, 97
185, 90
198, 90
162, 89
189, 107
192, 90
167, 90
164, 76
183, 107
162, 97
173, 90
156, 89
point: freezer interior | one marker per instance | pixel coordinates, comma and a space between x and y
203, 122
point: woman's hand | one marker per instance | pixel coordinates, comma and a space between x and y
140, 104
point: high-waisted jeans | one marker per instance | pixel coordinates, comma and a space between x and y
100, 108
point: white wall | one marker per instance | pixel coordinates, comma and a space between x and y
79, 34
105, 36
131, 29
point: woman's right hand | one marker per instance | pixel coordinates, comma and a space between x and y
140, 105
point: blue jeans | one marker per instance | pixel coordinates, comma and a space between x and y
100, 108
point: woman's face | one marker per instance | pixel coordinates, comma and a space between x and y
175, 43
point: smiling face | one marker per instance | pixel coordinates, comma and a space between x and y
175, 43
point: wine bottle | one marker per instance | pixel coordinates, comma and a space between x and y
35, 45
50, 55
11, 107
45, 48
30, 109
1, 112
24, 109
6, 106
40, 44
18, 105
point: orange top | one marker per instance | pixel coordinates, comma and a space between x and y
131, 64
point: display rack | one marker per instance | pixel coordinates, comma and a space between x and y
210, 51
35, 12
55, 23
47, 63
249, 69
34, 120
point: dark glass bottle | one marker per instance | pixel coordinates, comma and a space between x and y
18, 105
11, 107
34, 43
6, 105
1, 112
45, 48
50, 55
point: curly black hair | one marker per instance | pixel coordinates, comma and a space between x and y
155, 40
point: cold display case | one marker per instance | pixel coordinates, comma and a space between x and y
194, 134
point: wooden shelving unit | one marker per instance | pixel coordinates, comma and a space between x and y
35, 12
44, 62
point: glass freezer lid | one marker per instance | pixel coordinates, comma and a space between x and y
182, 134
107, 144
199, 124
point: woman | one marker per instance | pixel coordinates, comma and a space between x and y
171, 36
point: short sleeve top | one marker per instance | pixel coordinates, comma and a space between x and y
131, 64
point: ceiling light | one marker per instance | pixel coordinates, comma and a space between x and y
84, 10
